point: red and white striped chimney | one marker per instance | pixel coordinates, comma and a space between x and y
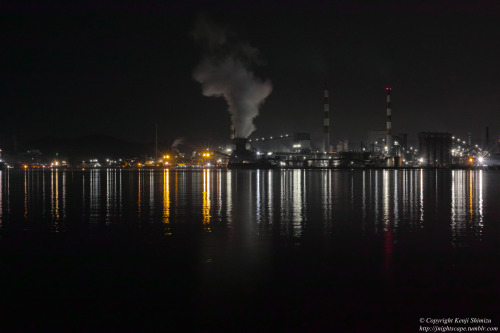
326, 120
388, 139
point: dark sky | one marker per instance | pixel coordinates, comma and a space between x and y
104, 67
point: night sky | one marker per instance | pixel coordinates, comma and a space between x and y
103, 67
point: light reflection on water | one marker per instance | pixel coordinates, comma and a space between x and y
467, 205
289, 202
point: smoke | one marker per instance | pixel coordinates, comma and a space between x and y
177, 142
225, 72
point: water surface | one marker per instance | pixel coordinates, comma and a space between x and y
317, 250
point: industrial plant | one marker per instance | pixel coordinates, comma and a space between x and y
381, 149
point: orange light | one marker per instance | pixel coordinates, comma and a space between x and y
471, 159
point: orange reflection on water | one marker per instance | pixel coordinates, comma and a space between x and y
25, 193
166, 202
206, 200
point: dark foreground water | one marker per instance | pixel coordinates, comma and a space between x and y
212, 250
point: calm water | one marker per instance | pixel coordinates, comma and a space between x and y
291, 250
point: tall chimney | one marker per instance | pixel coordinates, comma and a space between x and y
233, 131
326, 120
388, 139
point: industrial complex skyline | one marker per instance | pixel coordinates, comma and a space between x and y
120, 68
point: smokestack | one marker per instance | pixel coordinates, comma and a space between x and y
388, 139
326, 120
233, 131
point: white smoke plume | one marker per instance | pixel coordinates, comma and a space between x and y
177, 142
225, 71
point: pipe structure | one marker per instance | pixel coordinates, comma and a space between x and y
326, 120
388, 139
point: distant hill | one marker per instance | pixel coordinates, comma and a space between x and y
89, 146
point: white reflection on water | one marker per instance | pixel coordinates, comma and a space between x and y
219, 192
270, 192
63, 195
113, 194
229, 197
421, 189
466, 206
396, 180
95, 196
326, 195
151, 186
385, 200
258, 181
298, 202
54, 200
291, 202
363, 202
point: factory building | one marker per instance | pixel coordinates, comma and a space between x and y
342, 146
295, 143
435, 148
376, 141
401, 140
